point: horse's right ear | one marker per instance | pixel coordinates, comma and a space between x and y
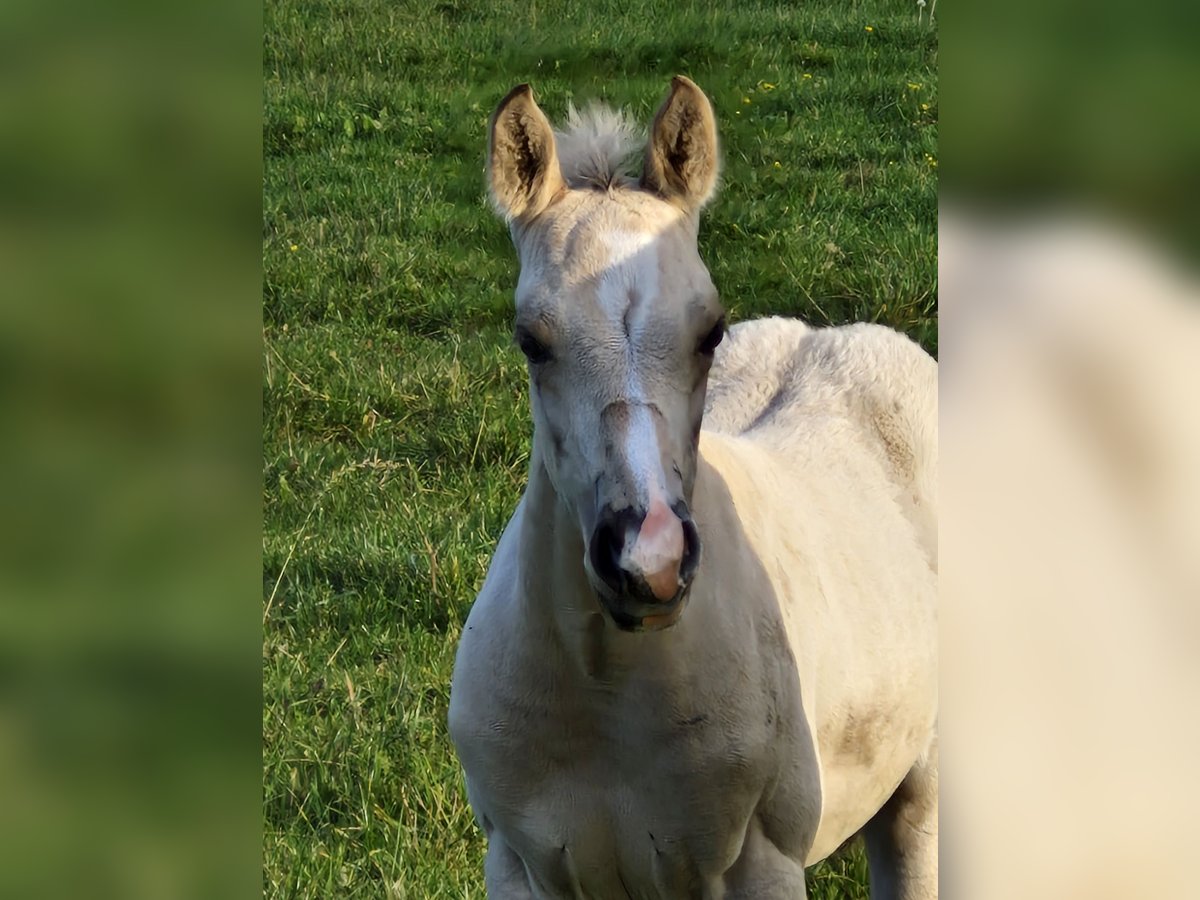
523, 172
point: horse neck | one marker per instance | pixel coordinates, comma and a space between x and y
551, 549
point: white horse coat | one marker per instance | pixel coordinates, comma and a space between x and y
791, 704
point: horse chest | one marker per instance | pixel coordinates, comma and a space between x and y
606, 801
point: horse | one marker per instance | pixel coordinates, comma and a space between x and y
704, 655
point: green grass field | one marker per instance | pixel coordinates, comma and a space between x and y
396, 432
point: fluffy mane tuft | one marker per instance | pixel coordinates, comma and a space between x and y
599, 147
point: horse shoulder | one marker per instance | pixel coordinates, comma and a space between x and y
860, 632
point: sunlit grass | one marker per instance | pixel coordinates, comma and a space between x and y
395, 428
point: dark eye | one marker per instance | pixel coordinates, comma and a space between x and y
709, 343
535, 351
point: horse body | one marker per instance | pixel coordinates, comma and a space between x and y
792, 704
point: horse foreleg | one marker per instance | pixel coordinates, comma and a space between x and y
902, 838
763, 872
504, 873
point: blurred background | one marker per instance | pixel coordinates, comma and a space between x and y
130, 485
1070, 435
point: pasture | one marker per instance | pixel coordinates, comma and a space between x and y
396, 430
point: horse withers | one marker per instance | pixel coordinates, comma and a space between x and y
705, 652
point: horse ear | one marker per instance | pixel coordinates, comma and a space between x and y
523, 172
681, 158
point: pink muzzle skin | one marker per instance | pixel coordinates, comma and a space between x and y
658, 550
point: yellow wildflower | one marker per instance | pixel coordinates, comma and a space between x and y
924, 106
869, 28
293, 248
806, 75
778, 165
745, 100
914, 86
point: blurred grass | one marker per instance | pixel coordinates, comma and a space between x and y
130, 171
1066, 105
395, 427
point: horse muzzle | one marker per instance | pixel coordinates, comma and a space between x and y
642, 562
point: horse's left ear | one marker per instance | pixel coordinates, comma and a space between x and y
681, 158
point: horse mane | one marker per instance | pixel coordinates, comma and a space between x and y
599, 147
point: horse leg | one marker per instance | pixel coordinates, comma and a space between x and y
902, 838
762, 872
504, 873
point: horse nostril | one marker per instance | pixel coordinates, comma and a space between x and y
605, 552
691, 550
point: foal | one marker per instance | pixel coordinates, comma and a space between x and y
701, 658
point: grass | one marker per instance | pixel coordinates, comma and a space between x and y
396, 433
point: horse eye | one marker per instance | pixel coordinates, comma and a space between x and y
709, 344
535, 351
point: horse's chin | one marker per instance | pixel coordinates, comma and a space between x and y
667, 619
634, 617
